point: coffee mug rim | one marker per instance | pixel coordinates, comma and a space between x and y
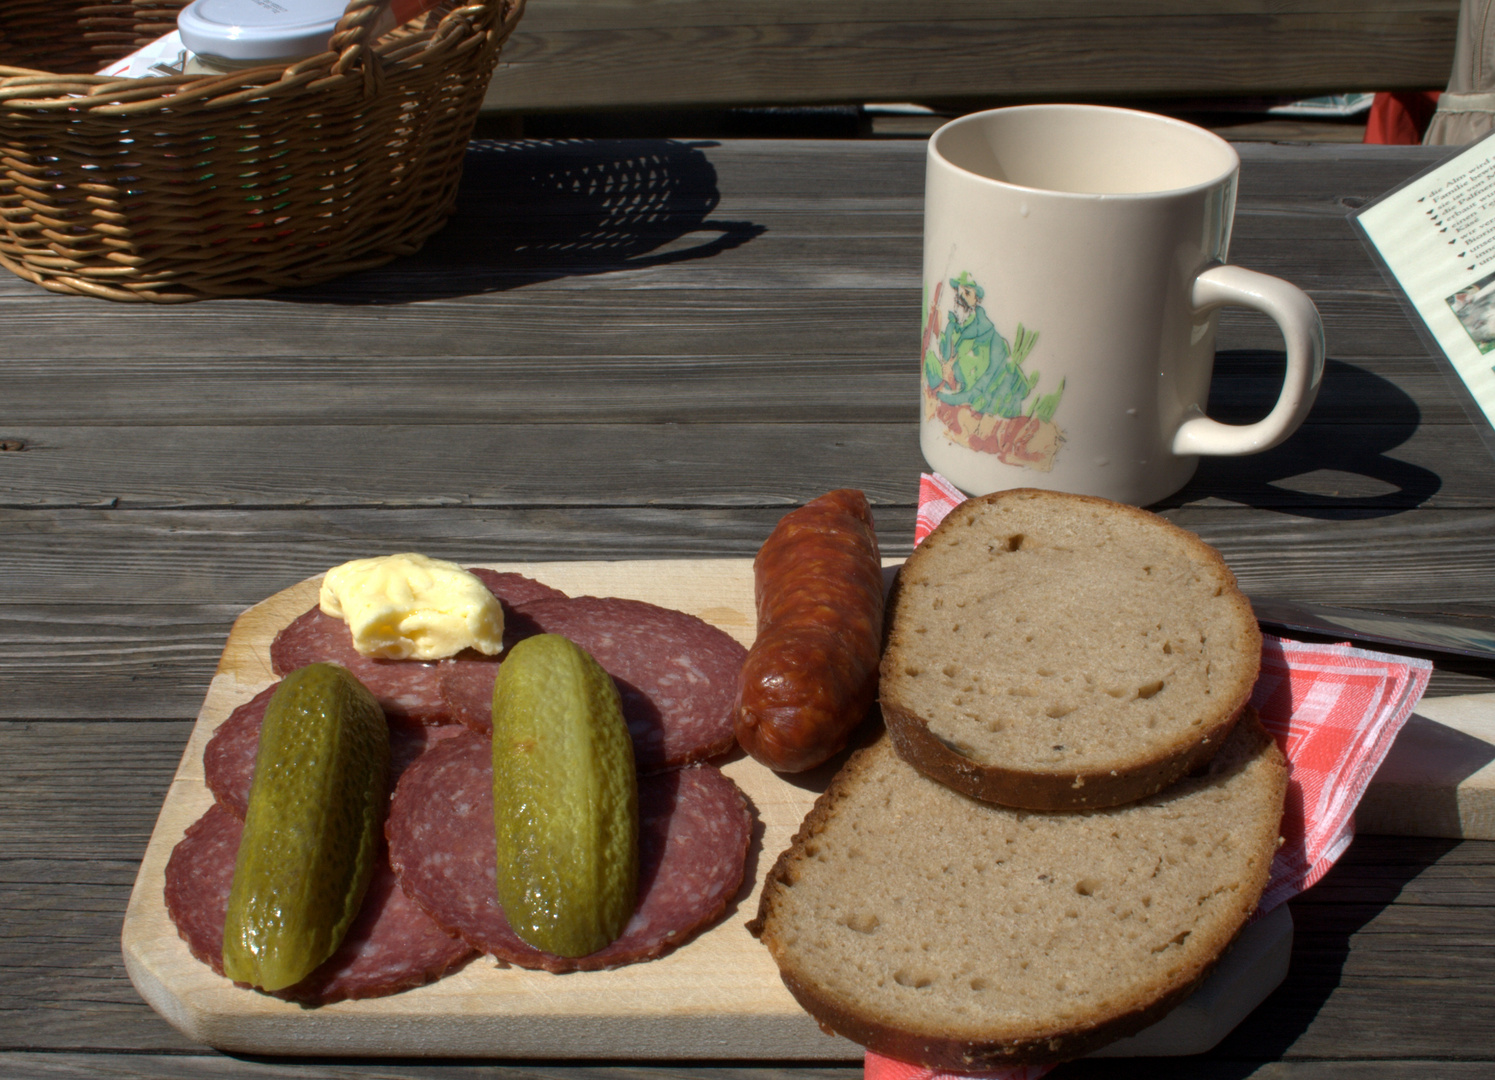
1161, 193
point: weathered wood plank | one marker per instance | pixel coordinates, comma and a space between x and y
693, 306
522, 220
669, 326
835, 387
685, 334
1369, 1019
662, 14
126, 564
724, 258
1362, 942
138, 634
582, 54
95, 840
67, 864
1435, 1068
1393, 464
446, 465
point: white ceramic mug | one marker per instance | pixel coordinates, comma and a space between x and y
1073, 271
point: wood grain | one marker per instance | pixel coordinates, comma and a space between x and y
711, 388
137, 633
1439, 777
203, 467
570, 54
677, 326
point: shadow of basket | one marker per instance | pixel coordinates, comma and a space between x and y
536, 210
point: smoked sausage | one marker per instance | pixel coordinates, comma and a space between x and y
811, 675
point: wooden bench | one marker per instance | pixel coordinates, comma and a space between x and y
610, 54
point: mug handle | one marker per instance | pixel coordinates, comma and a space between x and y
1303, 332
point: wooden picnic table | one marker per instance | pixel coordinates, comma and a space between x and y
639, 350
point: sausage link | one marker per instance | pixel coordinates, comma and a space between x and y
811, 675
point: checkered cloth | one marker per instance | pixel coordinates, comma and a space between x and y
1334, 710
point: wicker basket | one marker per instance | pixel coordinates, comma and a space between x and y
189, 187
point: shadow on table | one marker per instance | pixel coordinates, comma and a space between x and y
540, 209
1366, 881
1358, 418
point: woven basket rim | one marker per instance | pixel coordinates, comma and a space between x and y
30, 91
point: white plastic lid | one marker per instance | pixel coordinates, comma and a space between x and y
259, 29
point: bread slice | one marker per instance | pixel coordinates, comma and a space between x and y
1054, 652
960, 935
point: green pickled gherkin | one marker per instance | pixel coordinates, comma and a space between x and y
565, 799
312, 828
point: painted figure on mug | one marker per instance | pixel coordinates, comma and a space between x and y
974, 382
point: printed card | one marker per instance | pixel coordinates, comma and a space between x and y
1434, 236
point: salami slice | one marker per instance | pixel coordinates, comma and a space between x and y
409, 690
514, 590
228, 759
466, 684
694, 828
196, 898
677, 675
391, 946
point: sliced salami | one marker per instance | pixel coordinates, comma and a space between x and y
196, 898
391, 946
677, 675
694, 828
409, 690
514, 590
467, 687
228, 759
466, 680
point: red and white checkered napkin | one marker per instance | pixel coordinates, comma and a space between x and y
1333, 709
878, 1067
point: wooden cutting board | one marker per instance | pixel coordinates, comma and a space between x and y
1439, 777
718, 996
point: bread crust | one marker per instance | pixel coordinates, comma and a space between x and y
1061, 790
972, 1055
964, 1051
1048, 792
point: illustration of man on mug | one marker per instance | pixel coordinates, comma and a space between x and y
976, 384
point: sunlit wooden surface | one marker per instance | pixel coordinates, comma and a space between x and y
636, 350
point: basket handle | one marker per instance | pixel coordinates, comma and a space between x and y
350, 38
364, 22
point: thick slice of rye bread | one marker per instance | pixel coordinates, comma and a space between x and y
940, 930
1056, 652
